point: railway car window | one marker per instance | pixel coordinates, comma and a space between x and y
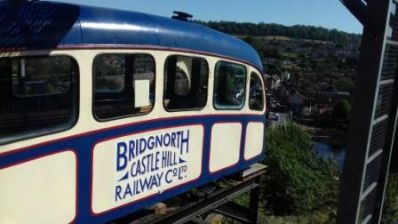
185, 85
110, 74
256, 94
229, 86
38, 95
124, 85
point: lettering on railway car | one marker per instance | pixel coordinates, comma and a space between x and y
143, 165
136, 166
127, 151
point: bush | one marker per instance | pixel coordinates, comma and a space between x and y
390, 211
342, 113
298, 181
343, 84
342, 110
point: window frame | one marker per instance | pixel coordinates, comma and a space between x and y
255, 73
165, 78
124, 86
75, 115
229, 108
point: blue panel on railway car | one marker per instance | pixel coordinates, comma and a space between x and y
83, 145
25, 26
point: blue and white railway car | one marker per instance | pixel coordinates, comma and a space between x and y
105, 112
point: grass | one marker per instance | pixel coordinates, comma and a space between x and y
322, 216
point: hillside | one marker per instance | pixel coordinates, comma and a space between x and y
297, 31
317, 60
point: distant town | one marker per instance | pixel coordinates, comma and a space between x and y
309, 74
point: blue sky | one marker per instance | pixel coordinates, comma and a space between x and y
326, 13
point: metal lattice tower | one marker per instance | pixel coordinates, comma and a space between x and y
374, 114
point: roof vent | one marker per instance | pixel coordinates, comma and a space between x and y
183, 16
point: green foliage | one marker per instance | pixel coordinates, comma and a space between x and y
256, 44
342, 110
343, 84
297, 31
390, 214
298, 181
273, 52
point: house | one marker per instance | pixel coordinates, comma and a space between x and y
285, 76
272, 82
296, 101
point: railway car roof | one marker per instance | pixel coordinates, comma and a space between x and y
48, 25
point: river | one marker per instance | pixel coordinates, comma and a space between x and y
327, 152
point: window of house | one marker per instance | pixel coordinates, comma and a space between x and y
124, 85
229, 86
38, 95
185, 85
256, 94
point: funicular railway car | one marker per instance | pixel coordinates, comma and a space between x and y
106, 112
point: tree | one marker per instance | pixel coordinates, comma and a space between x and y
341, 114
390, 211
256, 44
297, 31
298, 181
343, 84
342, 110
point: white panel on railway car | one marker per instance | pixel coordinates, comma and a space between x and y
225, 145
130, 168
254, 140
42, 190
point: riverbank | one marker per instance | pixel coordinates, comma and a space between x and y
333, 137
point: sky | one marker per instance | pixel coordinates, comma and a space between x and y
326, 13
